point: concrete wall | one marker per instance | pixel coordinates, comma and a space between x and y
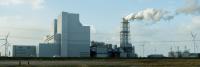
75, 38
24, 51
48, 50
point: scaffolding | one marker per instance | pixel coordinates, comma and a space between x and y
125, 45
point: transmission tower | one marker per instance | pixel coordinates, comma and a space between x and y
194, 40
6, 44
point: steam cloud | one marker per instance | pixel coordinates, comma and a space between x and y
192, 7
150, 14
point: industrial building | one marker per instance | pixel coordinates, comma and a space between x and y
23, 51
48, 50
103, 50
182, 54
126, 48
70, 38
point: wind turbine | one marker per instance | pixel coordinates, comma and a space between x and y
6, 44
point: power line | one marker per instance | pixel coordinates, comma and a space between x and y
193, 39
166, 41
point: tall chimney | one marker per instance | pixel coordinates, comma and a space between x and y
125, 45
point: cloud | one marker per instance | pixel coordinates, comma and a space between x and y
34, 3
191, 7
150, 14
194, 25
23, 30
37, 3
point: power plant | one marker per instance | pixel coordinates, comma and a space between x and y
126, 49
69, 38
100, 33
125, 45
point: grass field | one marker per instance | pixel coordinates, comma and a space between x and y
102, 63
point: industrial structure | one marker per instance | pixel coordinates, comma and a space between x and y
23, 51
103, 50
182, 54
48, 50
127, 50
70, 38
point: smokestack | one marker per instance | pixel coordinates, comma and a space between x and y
125, 45
124, 20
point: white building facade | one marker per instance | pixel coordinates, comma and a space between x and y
71, 38
75, 38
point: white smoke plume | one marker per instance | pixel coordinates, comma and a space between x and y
192, 7
150, 14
